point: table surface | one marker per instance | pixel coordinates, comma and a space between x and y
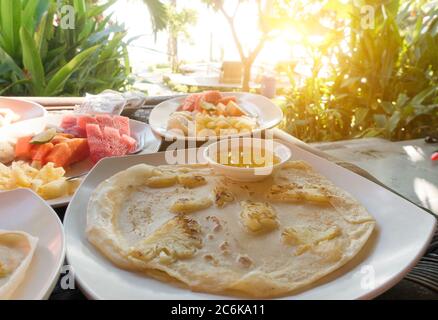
404, 166
371, 158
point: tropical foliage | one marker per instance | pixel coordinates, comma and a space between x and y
271, 17
378, 81
178, 21
46, 48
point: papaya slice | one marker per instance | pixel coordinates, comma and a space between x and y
23, 148
61, 137
60, 155
79, 150
42, 151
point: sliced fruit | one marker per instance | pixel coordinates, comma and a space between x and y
23, 148
79, 150
130, 142
212, 96
44, 137
207, 106
61, 137
41, 151
191, 103
105, 121
234, 110
60, 155
68, 121
76, 131
107, 142
83, 120
122, 123
225, 100
221, 109
54, 189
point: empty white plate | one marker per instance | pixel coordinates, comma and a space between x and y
31, 115
402, 235
267, 113
23, 210
23, 108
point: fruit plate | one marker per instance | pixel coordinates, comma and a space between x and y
147, 140
267, 113
402, 235
23, 210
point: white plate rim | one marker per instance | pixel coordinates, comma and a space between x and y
88, 290
169, 136
36, 105
46, 291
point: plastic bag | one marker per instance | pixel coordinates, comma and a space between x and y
111, 102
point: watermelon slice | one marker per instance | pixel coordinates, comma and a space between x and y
107, 142
68, 121
105, 121
122, 123
77, 124
191, 103
83, 120
130, 142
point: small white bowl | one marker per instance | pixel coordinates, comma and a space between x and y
253, 144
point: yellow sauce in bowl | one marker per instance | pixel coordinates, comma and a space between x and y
248, 158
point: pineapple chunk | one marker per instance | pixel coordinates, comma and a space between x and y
191, 180
293, 192
189, 205
222, 196
307, 237
49, 173
179, 238
54, 189
3, 271
258, 216
20, 178
161, 181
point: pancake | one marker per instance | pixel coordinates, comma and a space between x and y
188, 225
16, 252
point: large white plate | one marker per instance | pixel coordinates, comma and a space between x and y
267, 113
32, 118
401, 237
23, 210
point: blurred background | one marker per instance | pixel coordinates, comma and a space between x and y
339, 69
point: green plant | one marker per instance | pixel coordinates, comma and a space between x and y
177, 23
41, 57
383, 84
271, 18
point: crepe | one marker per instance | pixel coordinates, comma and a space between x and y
16, 252
210, 234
